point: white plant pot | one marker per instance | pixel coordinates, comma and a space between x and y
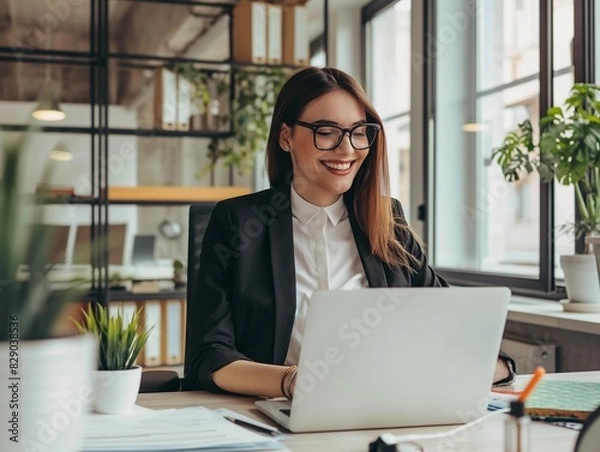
44, 400
581, 278
116, 390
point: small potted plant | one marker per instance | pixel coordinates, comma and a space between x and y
120, 342
568, 150
179, 276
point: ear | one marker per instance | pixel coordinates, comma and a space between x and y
285, 137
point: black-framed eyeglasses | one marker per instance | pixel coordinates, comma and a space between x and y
327, 137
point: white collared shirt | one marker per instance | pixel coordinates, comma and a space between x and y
325, 256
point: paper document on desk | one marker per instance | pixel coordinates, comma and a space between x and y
186, 429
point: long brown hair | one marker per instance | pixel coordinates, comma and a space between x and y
370, 189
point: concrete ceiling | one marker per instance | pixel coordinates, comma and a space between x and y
135, 27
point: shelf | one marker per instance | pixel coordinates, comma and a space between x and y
124, 295
152, 195
47, 56
81, 200
168, 59
170, 133
51, 129
116, 131
213, 4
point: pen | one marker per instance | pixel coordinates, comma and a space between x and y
537, 376
256, 428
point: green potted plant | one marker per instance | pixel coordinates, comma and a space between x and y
120, 342
568, 150
179, 276
30, 309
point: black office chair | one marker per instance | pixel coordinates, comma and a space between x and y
168, 380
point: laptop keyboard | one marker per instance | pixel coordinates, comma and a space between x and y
285, 411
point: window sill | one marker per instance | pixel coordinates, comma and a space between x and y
550, 313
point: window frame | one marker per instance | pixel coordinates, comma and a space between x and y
545, 285
423, 146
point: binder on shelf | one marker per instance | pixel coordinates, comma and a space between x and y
295, 35
151, 318
126, 308
165, 99
250, 32
274, 34
184, 103
173, 331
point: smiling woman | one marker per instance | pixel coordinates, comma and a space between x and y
328, 222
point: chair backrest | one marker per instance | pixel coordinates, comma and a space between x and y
198, 221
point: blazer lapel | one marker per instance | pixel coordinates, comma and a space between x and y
284, 278
371, 263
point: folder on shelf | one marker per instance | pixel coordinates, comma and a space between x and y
173, 331
295, 35
125, 308
250, 32
165, 99
274, 34
151, 318
184, 103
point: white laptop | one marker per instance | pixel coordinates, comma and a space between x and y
382, 358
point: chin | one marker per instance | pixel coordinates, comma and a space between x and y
340, 188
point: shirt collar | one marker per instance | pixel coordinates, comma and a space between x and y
306, 212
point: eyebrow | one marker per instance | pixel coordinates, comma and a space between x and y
328, 121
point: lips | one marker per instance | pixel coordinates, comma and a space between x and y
338, 166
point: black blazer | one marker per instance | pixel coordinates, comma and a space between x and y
245, 298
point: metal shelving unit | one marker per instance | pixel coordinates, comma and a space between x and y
98, 59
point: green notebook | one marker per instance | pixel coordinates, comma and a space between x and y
568, 400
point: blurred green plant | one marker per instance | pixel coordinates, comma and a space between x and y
29, 303
568, 150
120, 341
256, 90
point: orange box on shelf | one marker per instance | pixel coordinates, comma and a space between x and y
165, 99
274, 34
151, 354
250, 32
184, 103
173, 331
295, 35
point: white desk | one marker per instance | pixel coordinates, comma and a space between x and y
485, 437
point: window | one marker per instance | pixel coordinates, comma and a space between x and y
489, 74
388, 33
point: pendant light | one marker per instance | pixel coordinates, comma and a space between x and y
61, 153
48, 108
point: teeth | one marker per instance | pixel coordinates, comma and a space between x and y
337, 166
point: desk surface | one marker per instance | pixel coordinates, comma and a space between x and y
485, 437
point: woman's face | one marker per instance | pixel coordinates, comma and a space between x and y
320, 177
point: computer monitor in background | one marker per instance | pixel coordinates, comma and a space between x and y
143, 250
57, 254
116, 245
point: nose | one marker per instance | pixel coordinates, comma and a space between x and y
345, 145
